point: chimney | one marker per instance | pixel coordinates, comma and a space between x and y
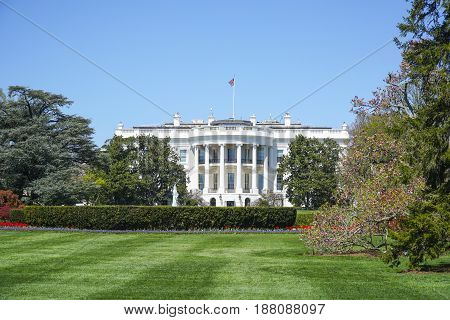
344, 126
210, 117
253, 119
119, 129
287, 119
176, 119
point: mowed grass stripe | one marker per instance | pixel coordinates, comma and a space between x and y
36, 247
180, 273
79, 266
255, 269
197, 266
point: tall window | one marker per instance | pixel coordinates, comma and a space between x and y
279, 182
279, 155
201, 181
231, 181
183, 153
215, 178
260, 181
201, 156
260, 155
246, 181
231, 154
215, 157
246, 155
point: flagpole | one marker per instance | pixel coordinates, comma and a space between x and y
234, 85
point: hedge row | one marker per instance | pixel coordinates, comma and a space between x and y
304, 217
158, 217
16, 215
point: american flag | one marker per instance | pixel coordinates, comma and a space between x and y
231, 82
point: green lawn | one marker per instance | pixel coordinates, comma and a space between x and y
58, 265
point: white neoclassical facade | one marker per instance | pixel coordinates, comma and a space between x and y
232, 162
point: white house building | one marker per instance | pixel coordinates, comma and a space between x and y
232, 162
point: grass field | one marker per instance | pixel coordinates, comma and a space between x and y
58, 265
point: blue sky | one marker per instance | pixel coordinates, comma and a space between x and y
181, 54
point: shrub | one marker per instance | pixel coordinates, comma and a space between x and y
8, 201
16, 215
424, 234
158, 217
305, 217
4, 212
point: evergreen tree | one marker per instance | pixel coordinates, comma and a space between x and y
43, 151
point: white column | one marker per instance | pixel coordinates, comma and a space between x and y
222, 169
266, 169
195, 169
254, 171
206, 187
274, 168
239, 169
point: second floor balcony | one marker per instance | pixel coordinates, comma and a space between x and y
230, 160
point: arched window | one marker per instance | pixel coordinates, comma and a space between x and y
212, 202
247, 202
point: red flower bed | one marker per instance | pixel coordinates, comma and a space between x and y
12, 224
297, 227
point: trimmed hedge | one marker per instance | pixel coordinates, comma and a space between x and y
158, 217
305, 217
16, 215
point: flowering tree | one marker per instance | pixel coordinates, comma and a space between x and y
400, 94
377, 185
396, 178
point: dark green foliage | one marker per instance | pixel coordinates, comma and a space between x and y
426, 33
138, 171
16, 215
42, 149
304, 217
426, 51
158, 217
310, 171
424, 234
417, 100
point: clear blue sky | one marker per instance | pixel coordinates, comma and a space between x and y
181, 54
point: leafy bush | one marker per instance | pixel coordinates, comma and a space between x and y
158, 217
16, 215
8, 201
304, 217
424, 234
